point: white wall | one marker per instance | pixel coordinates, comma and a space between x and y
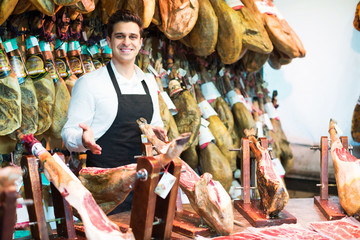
323, 85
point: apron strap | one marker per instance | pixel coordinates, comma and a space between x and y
113, 79
116, 85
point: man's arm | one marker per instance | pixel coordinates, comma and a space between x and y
81, 110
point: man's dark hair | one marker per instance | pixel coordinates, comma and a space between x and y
123, 16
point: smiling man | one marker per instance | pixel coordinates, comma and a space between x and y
106, 103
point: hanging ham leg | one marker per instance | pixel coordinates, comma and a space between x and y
97, 225
207, 197
273, 193
346, 168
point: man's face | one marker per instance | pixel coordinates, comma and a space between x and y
125, 42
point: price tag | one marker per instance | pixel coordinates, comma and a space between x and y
210, 91
182, 72
165, 184
84, 36
152, 70
103, 42
195, 78
206, 109
222, 72
204, 122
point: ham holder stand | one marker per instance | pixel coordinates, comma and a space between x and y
62, 210
329, 206
151, 215
251, 208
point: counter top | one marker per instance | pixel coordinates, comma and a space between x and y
303, 209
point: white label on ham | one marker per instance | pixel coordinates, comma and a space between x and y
182, 72
264, 7
169, 103
37, 149
221, 72
164, 78
204, 122
209, 91
234, 4
233, 98
278, 167
195, 78
103, 42
206, 109
278, 14
152, 70
260, 131
205, 135
270, 110
267, 121
165, 184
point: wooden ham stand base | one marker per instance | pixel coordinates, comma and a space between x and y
62, 210
251, 209
329, 207
189, 224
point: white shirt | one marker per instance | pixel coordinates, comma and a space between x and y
94, 102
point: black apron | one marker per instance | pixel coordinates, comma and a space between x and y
122, 141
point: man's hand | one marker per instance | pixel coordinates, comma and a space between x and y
160, 133
88, 139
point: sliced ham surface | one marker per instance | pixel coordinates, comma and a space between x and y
346, 228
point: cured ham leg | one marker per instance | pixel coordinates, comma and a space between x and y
207, 197
110, 186
97, 225
273, 193
346, 168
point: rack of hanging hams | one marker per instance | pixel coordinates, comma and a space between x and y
204, 55
48, 44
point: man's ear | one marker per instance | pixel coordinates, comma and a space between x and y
108, 40
141, 42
